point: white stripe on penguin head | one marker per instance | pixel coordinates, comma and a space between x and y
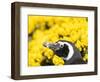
71, 51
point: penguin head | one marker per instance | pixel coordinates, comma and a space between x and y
66, 50
61, 48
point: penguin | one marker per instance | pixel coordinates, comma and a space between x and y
67, 51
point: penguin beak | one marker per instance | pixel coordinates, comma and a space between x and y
53, 46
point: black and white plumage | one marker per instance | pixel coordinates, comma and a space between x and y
66, 50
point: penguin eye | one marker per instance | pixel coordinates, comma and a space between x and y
61, 46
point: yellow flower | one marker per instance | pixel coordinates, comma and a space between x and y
48, 53
57, 60
31, 24
66, 39
33, 63
52, 29
32, 60
85, 58
78, 45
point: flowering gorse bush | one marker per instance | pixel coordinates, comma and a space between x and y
51, 29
